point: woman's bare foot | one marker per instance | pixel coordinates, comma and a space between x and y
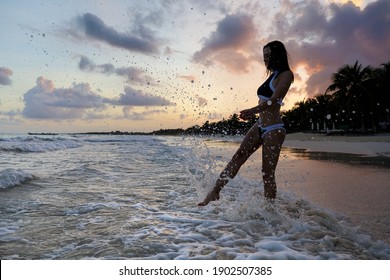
211, 196
214, 193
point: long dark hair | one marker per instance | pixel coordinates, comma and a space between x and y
278, 59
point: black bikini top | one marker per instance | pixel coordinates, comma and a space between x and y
266, 90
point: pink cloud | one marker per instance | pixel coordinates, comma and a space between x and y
5, 74
45, 101
323, 37
230, 44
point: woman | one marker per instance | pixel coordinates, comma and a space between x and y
269, 131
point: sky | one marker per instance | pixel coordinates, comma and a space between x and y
140, 66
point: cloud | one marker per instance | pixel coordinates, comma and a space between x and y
90, 26
323, 37
215, 116
140, 116
86, 64
230, 44
133, 75
5, 74
132, 97
190, 78
202, 102
44, 101
11, 114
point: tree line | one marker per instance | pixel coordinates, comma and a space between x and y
356, 101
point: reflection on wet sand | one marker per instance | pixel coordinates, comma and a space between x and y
380, 161
354, 185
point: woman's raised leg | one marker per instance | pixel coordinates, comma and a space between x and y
250, 143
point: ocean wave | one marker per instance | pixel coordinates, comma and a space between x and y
120, 139
37, 144
13, 177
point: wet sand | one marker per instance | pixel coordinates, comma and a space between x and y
358, 189
347, 174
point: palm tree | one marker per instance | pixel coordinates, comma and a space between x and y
298, 118
384, 97
382, 83
350, 92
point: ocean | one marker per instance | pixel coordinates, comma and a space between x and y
134, 197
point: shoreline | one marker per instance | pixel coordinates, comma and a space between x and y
370, 145
303, 136
373, 145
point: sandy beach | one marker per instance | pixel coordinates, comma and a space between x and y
365, 145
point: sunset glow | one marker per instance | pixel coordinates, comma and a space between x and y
81, 66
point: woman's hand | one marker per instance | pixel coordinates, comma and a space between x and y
247, 114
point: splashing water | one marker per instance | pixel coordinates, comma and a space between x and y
134, 197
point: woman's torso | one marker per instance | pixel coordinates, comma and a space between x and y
271, 115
